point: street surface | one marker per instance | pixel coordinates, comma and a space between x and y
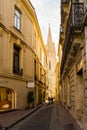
48, 117
40, 120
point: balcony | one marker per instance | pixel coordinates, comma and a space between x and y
65, 1
18, 71
78, 14
74, 24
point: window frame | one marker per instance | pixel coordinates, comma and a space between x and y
49, 65
17, 19
16, 67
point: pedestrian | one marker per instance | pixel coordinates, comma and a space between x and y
49, 99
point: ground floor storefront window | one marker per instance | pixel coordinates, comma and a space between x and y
6, 95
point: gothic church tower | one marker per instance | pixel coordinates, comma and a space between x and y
51, 64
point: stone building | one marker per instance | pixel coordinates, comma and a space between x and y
58, 70
73, 70
39, 67
57, 79
51, 65
22, 55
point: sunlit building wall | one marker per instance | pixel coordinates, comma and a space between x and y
73, 38
39, 67
18, 35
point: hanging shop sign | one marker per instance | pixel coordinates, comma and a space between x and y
30, 84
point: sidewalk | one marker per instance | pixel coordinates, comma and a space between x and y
9, 119
62, 120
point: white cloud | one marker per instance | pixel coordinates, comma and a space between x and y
48, 12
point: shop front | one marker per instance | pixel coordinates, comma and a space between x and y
7, 97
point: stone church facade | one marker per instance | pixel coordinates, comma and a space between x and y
51, 65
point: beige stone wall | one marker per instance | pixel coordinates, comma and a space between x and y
72, 88
28, 63
85, 69
26, 56
5, 61
76, 70
20, 91
40, 57
7, 19
25, 40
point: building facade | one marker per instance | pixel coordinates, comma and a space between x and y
18, 33
39, 67
58, 71
73, 70
57, 79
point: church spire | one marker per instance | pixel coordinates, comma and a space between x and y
49, 38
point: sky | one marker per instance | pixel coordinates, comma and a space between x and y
48, 13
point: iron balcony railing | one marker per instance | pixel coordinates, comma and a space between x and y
78, 14
74, 22
18, 71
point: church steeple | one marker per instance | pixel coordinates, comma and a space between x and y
51, 64
49, 38
50, 46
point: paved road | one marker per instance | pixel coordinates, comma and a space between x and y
40, 120
48, 117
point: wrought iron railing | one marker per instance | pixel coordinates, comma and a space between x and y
78, 13
18, 71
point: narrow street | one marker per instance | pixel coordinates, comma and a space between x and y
43, 64
40, 120
48, 117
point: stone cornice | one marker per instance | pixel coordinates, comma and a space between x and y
71, 57
15, 35
34, 19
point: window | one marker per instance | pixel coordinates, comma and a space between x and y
16, 58
49, 65
17, 19
35, 67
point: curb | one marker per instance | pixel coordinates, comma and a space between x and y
2, 112
32, 111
